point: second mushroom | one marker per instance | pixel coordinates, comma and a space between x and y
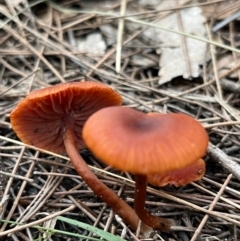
145, 145
52, 119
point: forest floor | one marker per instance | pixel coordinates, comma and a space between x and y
174, 56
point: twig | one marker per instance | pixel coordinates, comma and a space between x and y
28, 225
226, 21
120, 36
220, 157
15, 34
204, 220
18, 82
214, 63
16, 176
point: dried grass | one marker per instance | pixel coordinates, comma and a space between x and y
36, 51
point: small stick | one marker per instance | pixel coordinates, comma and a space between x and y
39, 221
226, 123
224, 160
16, 176
120, 36
204, 220
18, 82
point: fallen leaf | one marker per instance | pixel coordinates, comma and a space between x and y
93, 44
173, 61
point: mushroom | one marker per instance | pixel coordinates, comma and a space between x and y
145, 144
52, 119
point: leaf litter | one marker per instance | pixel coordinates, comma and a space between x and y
44, 43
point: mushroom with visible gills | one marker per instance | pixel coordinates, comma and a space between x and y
52, 119
144, 145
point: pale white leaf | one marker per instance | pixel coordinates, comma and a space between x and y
93, 44
173, 62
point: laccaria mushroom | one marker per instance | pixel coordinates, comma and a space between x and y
52, 119
45, 116
144, 145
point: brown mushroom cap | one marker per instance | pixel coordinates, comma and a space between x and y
40, 119
180, 177
132, 141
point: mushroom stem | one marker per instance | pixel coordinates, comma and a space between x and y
139, 205
100, 189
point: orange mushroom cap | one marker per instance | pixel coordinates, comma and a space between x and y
40, 119
132, 141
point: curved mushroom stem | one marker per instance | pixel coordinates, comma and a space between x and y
100, 189
139, 205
